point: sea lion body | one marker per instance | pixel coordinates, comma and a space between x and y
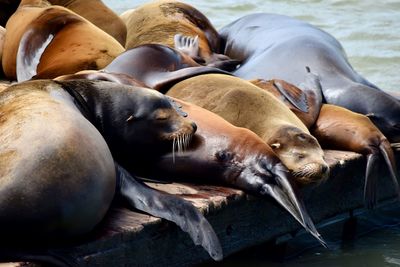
99, 14
53, 35
160, 21
221, 153
157, 66
279, 47
51, 150
248, 106
54, 166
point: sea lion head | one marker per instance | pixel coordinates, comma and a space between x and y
301, 153
132, 118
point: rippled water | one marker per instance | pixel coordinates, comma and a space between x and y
369, 31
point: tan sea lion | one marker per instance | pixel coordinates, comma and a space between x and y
46, 41
340, 128
51, 150
99, 14
245, 105
337, 128
159, 22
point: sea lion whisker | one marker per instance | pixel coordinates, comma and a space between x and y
173, 149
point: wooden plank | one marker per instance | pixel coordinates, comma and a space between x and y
127, 238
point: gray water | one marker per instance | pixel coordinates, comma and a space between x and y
369, 31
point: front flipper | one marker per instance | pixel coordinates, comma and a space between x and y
293, 94
281, 190
36, 39
171, 208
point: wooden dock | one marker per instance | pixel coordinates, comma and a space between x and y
127, 238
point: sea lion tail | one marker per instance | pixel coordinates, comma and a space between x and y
171, 208
388, 155
283, 192
37, 38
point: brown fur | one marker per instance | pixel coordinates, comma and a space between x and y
158, 22
245, 105
68, 52
99, 14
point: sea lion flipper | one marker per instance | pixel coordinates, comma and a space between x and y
36, 38
187, 45
294, 95
388, 155
171, 208
370, 181
283, 192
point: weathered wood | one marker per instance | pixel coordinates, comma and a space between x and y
127, 238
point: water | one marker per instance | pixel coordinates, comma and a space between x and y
368, 29
369, 32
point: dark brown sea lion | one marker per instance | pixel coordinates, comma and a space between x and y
46, 42
245, 105
340, 128
159, 22
221, 153
157, 66
50, 149
279, 47
99, 14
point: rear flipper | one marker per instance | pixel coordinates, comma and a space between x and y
171, 208
187, 45
190, 46
370, 178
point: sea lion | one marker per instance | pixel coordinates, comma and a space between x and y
338, 128
245, 105
53, 35
221, 153
279, 47
157, 66
99, 14
159, 22
68, 161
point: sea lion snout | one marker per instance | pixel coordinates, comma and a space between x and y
312, 172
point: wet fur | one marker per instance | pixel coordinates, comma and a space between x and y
339, 128
248, 106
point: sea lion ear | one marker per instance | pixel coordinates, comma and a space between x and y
275, 145
130, 118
